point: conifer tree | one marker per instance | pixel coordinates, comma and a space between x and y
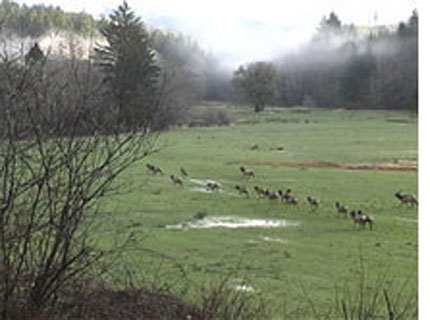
129, 66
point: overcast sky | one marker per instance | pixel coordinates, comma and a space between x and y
243, 30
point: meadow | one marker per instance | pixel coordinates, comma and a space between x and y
316, 258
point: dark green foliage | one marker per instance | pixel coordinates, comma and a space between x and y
341, 69
255, 83
355, 83
36, 20
129, 67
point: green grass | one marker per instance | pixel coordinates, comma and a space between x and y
305, 262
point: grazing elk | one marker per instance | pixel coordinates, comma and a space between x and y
247, 172
361, 219
272, 195
286, 195
176, 180
242, 190
406, 198
184, 172
314, 203
154, 169
341, 208
261, 192
291, 200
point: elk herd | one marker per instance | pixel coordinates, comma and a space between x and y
286, 196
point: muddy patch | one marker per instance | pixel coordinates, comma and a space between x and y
232, 223
399, 166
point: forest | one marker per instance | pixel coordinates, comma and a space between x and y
342, 65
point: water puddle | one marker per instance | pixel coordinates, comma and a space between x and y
203, 190
204, 182
275, 240
245, 288
232, 223
242, 285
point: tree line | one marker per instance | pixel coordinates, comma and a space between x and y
36, 20
339, 68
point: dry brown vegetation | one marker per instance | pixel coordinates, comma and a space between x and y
388, 166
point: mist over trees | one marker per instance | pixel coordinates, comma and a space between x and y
37, 20
341, 68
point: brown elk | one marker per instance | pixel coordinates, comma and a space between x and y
247, 172
291, 200
176, 180
242, 190
184, 172
154, 169
260, 191
271, 195
406, 198
341, 208
314, 203
361, 219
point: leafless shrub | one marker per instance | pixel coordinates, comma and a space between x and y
364, 295
57, 159
222, 300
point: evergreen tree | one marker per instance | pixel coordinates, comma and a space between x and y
355, 83
129, 66
35, 55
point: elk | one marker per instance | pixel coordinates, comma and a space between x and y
406, 198
341, 208
271, 195
287, 195
291, 200
176, 180
154, 169
313, 202
242, 190
261, 192
361, 219
247, 172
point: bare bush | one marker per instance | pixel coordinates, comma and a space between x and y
56, 162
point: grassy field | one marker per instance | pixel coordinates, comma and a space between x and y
317, 254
